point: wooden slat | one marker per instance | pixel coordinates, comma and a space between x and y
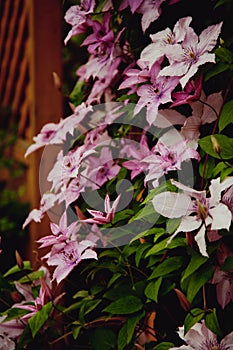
21, 84
19, 49
5, 11
24, 113
9, 43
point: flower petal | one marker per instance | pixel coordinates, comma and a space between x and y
171, 204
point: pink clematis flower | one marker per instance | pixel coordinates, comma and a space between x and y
78, 17
227, 199
200, 337
202, 114
164, 158
44, 297
69, 257
164, 39
196, 210
61, 232
133, 4
193, 52
47, 202
150, 10
55, 133
106, 217
154, 94
101, 169
191, 93
224, 286
137, 164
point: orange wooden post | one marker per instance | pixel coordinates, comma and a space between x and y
30, 51
46, 103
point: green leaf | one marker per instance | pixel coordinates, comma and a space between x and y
122, 215
224, 54
126, 305
39, 319
81, 294
15, 269
219, 167
159, 247
151, 231
196, 261
114, 278
226, 116
194, 316
126, 333
35, 275
226, 145
217, 69
13, 313
228, 264
211, 322
208, 171
87, 307
172, 225
225, 172
195, 281
164, 346
146, 214
102, 339
140, 252
77, 93
167, 266
152, 289
76, 331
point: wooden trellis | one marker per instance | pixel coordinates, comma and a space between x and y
30, 51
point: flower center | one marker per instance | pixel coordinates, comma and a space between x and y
212, 344
202, 209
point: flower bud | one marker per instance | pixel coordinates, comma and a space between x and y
215, 144
19, 260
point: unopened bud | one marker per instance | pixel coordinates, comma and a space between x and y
57, 81
184, 302
215, 144
19, 260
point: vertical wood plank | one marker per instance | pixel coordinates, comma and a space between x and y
46, 104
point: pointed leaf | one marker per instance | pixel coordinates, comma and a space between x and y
226, 116
152, 289
39, 319
126, 305
194, 316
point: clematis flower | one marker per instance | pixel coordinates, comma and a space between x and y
101, 169
202, 114
55, 133
200, 337
150, 10
44, 297
133, 4
78, 17
69, 257
135, 76
61, 232
164, 39
106, 217
227, 199
164, 158
137, 164
196, 210
193, 52
47, 202
191, 93
6, 343
224, 286
154, 94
